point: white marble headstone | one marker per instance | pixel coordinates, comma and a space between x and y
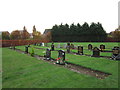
43, 44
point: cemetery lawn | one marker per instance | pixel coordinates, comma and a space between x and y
22, 71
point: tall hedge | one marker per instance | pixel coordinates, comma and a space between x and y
75, 33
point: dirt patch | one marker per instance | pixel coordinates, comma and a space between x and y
73, 67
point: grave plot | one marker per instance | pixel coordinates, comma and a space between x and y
77, 60
71, 66
86, 52
29, 72
116, 53
106, 52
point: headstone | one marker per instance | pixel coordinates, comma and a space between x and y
75, 47
89, 47
34, 44
26, 49
58, 45
96, 52
102, 47
29, 45
14, 47
48, 54
43, 44
64, 46
68, 48
61, 57
116, 53
52, 47
72, 46
80, 50
40, 44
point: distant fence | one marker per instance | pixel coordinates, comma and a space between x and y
8, 43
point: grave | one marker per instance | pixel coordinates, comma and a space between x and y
37, 44
96, 52
72, 46
29, 45
68, 48
102, 47
52, 47
14, 47
40, 44
61, 57
34, 44
64, 46
43, 44
26, 49
89, 46
48, 54
58, 45
75, 47
80, 50
116, 53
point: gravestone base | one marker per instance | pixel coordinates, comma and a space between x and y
116, 57
47, 58
96, 54
79, 53
60, 62
68, 51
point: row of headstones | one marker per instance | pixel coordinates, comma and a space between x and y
40, 44
96, 51
72, 46
59, 60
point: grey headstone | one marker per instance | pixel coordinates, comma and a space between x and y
58, 45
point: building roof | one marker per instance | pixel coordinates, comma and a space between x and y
46, 31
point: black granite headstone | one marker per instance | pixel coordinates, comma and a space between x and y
80, 50
96, 52
116, 53
48, 54
102, 47
68, 48
61, 57
90, 47
72, 46
26, 49
52, 47
14, 47
40, 44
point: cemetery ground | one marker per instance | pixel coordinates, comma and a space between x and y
23, 71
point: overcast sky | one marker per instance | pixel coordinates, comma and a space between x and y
14, 14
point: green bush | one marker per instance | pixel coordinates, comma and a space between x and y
32, 52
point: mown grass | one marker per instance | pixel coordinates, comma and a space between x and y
101, 64
22, 71
83, 60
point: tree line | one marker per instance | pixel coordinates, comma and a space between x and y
75, 33
21, 34
65, 33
